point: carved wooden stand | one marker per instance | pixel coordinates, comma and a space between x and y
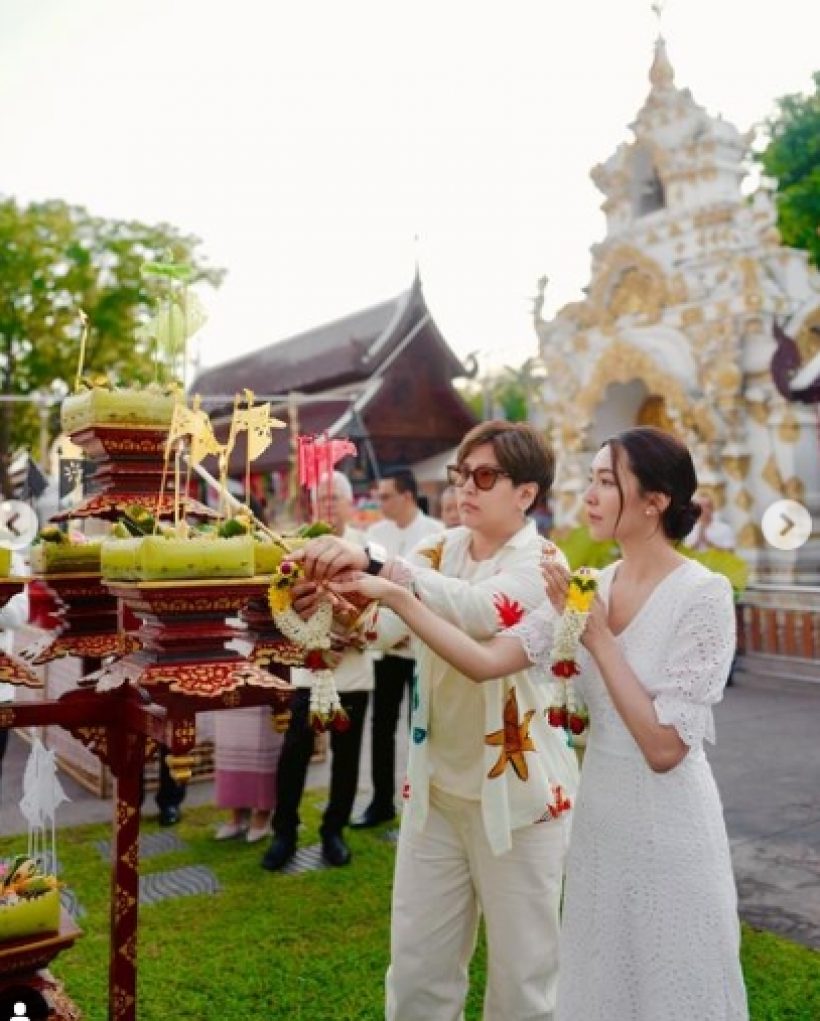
152, 695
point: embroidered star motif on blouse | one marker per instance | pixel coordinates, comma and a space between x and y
514, 738
434, 554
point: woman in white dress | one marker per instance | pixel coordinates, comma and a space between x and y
650, 929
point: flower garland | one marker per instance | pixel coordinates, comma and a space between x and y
566, 708
314, 636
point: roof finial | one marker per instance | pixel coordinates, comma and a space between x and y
661, 74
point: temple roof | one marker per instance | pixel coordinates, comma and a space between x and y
346, 350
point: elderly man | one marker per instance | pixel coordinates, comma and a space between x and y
354, 681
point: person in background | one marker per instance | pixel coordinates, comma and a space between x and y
403, 528
450, 517
710, 531
247, 751
354, 682
12, 616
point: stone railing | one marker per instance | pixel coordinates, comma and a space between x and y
779, 632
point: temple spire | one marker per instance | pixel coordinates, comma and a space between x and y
661, 74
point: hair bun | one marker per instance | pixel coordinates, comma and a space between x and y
680, 521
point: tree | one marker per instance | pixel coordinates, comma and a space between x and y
55, 260
792, 156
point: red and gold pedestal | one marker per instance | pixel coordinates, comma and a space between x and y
24, 962
12, 669
89, 622
129, 462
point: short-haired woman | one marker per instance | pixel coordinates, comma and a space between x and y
478, 834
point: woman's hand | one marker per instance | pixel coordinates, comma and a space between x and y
596, 632
363, 586
556, 581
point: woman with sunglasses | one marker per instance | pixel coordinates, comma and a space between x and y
482, 832
649, 928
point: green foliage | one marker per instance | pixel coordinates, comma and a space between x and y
307, 948
792, 156
56, 260
581, 550
722, 562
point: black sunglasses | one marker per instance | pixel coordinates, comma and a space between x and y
484, 476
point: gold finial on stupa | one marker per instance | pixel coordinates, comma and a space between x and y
661, 74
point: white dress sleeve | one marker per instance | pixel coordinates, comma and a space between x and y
700, 656
534, 633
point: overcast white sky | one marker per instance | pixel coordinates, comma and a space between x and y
308, 143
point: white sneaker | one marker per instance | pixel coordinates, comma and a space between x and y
230, 830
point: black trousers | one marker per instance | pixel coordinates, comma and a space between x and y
393, 675
345, 748
170, 794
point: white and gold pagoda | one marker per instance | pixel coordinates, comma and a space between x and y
676, 326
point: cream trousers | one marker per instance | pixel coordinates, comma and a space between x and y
446, 877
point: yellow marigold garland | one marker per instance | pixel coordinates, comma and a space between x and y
566, 708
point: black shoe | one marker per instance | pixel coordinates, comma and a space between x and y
280, 852
372, 817
334, 850
169, 815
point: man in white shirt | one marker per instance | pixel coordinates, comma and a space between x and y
710, 531
354, 682
403, 528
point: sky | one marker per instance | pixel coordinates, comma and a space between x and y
321, 149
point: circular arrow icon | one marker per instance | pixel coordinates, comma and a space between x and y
786, 524
18, 524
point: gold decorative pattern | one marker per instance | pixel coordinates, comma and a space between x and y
621, 363
789, 428
13, 671
7, 717
128, 950
736, 466
750, 536
627, 282
758, 411
123, 1002
808, 342
231, 698
131, 858
124, 813
744, 500
95, 739
794, 489
125, 902
180, 767
771, 475
184, 732
691, 317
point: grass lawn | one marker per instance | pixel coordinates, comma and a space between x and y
303, 948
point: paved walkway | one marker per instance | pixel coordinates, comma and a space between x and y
767, 767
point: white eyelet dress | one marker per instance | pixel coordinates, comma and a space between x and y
650, 929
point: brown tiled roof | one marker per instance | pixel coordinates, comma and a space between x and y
340, 352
